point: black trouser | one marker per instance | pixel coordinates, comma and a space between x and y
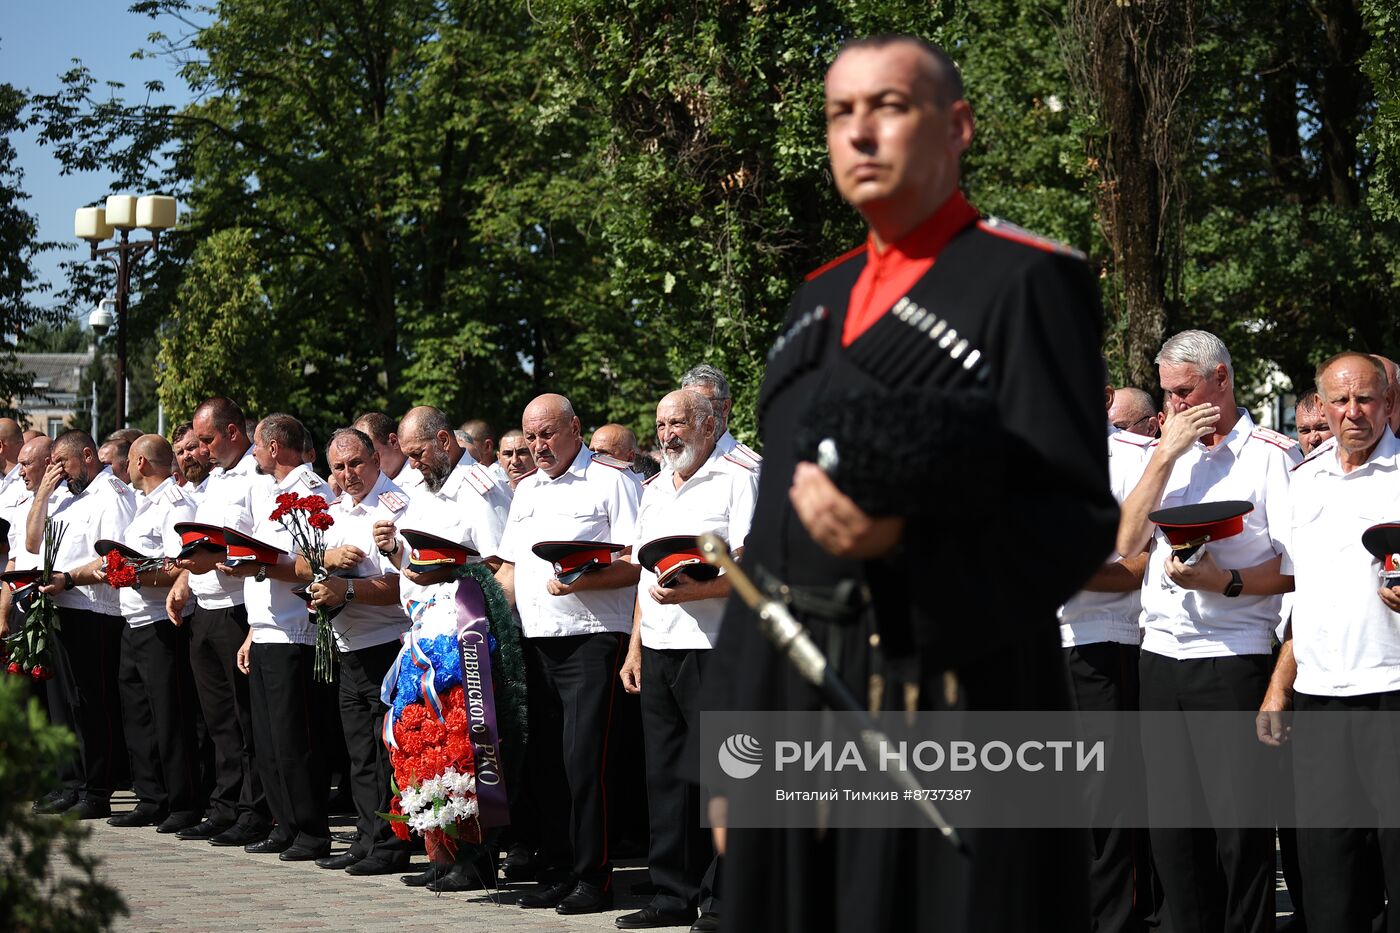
215, 637
1221, 879
1103, 677
362, 716
680, 851
51, 693
580, 677
1341, 868
289, 714
92, 642
539, 816
158, 716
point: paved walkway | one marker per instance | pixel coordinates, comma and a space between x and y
188, 886
192, 886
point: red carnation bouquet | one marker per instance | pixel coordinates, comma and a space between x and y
120, 571
30, 650
307, 518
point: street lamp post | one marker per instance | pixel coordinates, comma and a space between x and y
122, 214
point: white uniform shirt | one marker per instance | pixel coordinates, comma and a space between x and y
358, 625
152, 532
728, 444
589, 501
470, 508
102, 510
14, 509
276, 614
408, 479
719, 499
1090, 618
224, 502
10, 483
1345, 640
1250, 463
499, 472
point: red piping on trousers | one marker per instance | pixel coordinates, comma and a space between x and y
603, 763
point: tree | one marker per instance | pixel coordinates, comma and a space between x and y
221, 339
1130, 65
35, 893
19, 245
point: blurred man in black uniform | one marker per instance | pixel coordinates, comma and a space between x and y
938, 308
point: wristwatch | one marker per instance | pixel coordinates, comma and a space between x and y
261, 575
1236, 584
68, 583
349, 590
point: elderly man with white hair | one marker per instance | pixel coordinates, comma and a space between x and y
700, 489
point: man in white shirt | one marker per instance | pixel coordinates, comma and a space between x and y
483, 448
14, 509
393, 463
88, 610
1208, 627
33, 460
290, 710
573, 630
364, 589
239, 813
515, 458
459, 501
1344, 649
1099, 633
699, 490
155, 680
11, 440
191, 458
711, 383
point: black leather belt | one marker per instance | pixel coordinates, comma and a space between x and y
842, 604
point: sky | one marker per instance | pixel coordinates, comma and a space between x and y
38, 41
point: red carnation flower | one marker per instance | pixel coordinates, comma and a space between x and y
287, 500
39, 673
320, 521
14, 668
312, 504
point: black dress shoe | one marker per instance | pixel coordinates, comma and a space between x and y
377, 866
338, 862
551, 896
306, 853
240, 836
56, 801
423, 878
206, 830
708, 923
586, 899
348, 838
269, 846
88, 809
178, 823
519, 864
463, 878
649, 918
142, 815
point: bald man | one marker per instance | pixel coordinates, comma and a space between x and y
11, 440
574, 631
155, 679
1134, 411
99, 506
615, 440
